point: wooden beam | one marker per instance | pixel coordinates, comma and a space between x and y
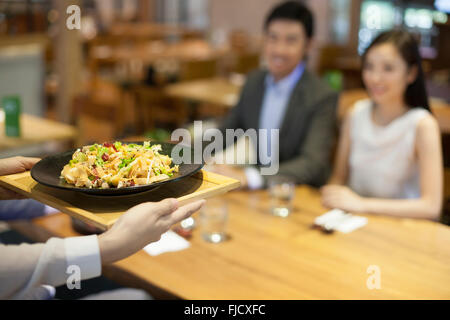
355, 17
68, 60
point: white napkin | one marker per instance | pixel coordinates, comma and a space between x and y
337, 219
169, 242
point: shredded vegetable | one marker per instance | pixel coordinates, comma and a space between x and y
117, 165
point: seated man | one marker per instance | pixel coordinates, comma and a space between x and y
287, 97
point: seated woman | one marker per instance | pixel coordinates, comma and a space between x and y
389, 158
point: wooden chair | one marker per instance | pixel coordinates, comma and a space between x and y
92, 47
246, 62
334, 58
239, 40
347, 99
153, 108
100, 112
198, 69
193, 70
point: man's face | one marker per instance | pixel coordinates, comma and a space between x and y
285, 45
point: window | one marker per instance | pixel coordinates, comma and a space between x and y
418, 17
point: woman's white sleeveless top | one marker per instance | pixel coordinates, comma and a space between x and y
383, 162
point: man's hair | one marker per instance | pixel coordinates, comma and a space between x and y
295, 11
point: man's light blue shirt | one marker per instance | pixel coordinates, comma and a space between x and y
274, 106
276, 98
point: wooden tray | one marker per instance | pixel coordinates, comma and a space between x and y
103, 211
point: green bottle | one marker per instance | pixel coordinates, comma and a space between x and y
11, 107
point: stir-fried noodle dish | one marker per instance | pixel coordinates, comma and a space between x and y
118, 165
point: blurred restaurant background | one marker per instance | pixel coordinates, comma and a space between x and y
145, 67
140, 68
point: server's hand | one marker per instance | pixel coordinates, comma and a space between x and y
11, 166
141, 225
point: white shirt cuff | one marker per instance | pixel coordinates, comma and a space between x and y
49, 210
254, 178
84, 252
50, 290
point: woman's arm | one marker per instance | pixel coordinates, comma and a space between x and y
340, 170
428, 146
428, 206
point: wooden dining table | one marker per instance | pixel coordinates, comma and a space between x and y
36, 131
217, 91
151, 52
145, 30
268, 257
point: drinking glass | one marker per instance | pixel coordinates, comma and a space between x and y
281, 190
213, 220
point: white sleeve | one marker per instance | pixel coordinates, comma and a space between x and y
254, 178
25, 268
84, 252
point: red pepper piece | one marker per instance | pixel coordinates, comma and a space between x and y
105, 157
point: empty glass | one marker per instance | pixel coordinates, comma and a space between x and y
213, 220
281, 190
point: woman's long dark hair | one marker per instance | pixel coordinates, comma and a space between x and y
416, 93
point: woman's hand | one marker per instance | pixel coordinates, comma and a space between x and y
11, 166
141, 225
342, 197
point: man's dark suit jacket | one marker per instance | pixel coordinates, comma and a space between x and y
307, 133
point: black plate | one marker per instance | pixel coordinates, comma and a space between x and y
48, 172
